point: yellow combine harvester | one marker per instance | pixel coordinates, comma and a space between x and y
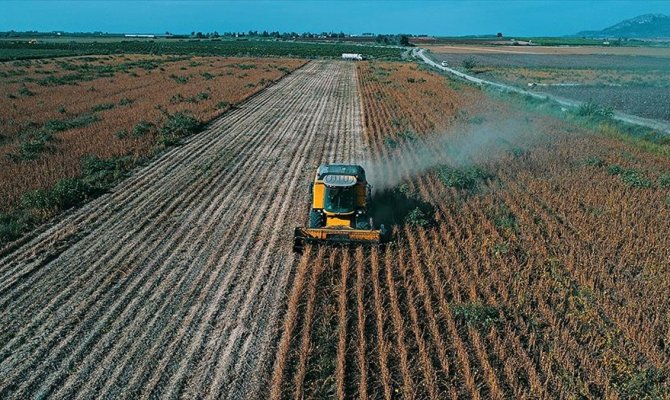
339, 212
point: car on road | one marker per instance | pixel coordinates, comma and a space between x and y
444, 64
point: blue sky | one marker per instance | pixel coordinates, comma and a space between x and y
521, 17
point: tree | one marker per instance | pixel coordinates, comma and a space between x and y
404, 40
499, 34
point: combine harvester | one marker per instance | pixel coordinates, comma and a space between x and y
339, 213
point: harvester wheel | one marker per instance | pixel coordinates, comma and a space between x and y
315, 219
363, 222
298, 245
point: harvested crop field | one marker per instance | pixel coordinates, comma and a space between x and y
172, 284
55, 112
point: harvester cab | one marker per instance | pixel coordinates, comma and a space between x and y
339, 213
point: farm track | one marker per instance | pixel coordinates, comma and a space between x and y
173, 284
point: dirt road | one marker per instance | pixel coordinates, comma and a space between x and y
174, 284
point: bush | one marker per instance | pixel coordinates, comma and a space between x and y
64, 125
594, 110
595, 161
469, 63
615, 170
100, 174
69, 193
177, 98
66, 193
24, 91
222, 104
664, 180
417, 217
179, 79
122, 134
504, 218
462, 178
390, 142
475, 314
34, 142
177, 126
12, 225
199, 97
407, 135
31, 144
636, 179
647, 383
207, 76
126, 101
103, 106
142, 128
630, 176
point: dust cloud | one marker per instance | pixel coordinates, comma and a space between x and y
460, 146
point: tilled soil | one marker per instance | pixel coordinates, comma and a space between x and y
594, 61
174, 284
649, 100
645, 101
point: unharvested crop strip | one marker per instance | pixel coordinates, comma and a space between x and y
342, 325
361, 354
382, 344
429, 374
436, 335
408, 387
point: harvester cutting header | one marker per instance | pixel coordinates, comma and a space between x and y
339, 213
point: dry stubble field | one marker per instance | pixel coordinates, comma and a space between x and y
537, 271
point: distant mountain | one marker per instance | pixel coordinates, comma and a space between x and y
644, 26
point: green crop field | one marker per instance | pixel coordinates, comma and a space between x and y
18, 50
